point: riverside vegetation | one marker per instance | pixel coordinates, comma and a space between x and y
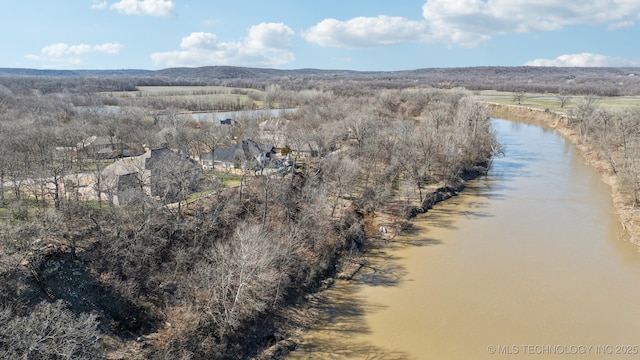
224, 272
607, 131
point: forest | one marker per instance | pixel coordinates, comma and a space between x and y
600, 81
120, 241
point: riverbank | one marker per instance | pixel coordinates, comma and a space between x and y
629, 216
528, 254
389, 217
391, 220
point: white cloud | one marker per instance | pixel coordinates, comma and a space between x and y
472, 22
365, 32
199, 40
55, 50
269, 36
99, 5
159, 8
583, 60
267, 44
62, 53
62, 49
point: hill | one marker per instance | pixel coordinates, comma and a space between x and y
604, 81
72, 73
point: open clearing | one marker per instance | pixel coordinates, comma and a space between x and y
552, 102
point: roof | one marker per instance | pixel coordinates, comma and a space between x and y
244, 150
142, 165
97, 140
111, 173
228, 155
161, 155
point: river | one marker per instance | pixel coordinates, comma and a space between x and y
529, 262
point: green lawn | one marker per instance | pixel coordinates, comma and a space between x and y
551, 102
198, 195
228, 179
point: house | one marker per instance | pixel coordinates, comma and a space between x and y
159, 173
130, 188
172, 176
246, 154
222, 159
105, 147
124, 181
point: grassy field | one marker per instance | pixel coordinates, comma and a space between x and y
551, 102
228, 179
240, 95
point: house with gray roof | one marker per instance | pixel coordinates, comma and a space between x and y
246, 154
105, 147
159, 173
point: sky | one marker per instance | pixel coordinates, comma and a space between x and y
365, 35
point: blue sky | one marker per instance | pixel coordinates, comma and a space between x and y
327, 34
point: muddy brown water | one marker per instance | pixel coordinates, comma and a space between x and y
529, 262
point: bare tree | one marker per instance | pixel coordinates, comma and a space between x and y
519, 96
340, 173
239, 279
50, 331
415, 151
583, 115
563, 98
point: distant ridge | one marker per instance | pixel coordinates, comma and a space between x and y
207, 72
70, 73
604, 81
237, 72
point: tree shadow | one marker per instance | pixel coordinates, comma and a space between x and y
342, 320
387, 274
488, 189
63, 277
409, 236
345, 349
471, 206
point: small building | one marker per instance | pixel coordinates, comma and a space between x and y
246, 154
227, 121
105, 147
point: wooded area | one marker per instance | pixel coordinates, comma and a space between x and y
117, 243
601, 81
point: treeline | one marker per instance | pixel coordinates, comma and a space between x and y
615, 134
28, 85
213, 278
196, 103
576, 81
